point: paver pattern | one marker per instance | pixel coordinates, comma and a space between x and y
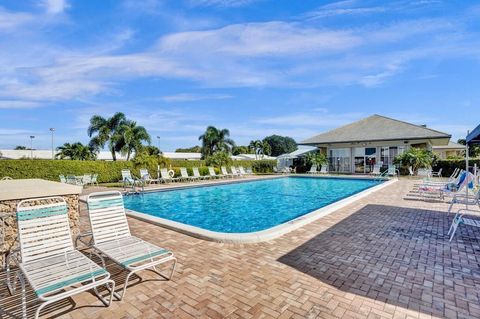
384, 256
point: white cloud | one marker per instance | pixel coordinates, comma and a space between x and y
17, 104
55, 6
11, 20
189, 97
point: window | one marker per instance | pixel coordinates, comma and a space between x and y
339, 159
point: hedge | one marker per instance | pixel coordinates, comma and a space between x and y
448, 166
107, 171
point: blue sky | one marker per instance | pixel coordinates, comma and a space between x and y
257, 67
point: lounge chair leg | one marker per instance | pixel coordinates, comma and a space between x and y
455, 226
24, 297
111, 290
126, 284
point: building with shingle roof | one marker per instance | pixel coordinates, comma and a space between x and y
377, 139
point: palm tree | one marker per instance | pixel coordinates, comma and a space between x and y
260, 148
107, 130
132, 137
214, 140
75, 151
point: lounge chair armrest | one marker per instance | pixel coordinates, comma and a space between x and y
82, 238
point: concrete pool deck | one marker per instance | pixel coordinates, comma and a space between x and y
386, 255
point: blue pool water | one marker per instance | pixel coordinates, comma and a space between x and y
247, 206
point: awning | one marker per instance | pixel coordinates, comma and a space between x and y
474, 136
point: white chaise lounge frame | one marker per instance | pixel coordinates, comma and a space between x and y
112, 238
47, 258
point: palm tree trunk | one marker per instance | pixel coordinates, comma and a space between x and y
114, 156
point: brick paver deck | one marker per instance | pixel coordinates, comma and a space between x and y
385, 256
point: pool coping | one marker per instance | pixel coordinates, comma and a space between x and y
258, 236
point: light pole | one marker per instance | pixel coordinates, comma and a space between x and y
31, 145
52, 129
158, 138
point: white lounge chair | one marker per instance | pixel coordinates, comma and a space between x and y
62, 179
410, 171
146, 177
212, 173
166, 178
234, 171
313, 170
47, 258
225, 172
324, 170
242, 171
438, 173
112, 238
460, 219
184, 175
128, 180
465, 179
196, 174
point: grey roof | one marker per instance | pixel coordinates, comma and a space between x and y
375, 128
450, 146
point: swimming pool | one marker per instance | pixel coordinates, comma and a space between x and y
247, 206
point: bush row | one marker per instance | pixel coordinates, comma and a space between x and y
448, 166
107, 171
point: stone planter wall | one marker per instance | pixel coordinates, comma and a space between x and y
9, 235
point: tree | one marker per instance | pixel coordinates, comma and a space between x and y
19, 147
193, 149
280, 144
241, 150
130, 138
218, 159
473, 150
215, 140
107, 131
151, 150
75, 151
416, 158
260, 148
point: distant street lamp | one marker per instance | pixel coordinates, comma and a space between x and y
158, 138
31, 145
52, 129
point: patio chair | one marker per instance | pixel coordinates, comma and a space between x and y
72, 179
465, 179
95, 179
128, 180
146, 177
460, 219
249, 170
212, 173
313, 170
86, 179
47, 258
166, 178
112, 238
324, 170
410, 171
376, 170
234, 172
225, 172
184, 175
242, 171
437, 174
424, 172
196, 174
62, 179
392, 170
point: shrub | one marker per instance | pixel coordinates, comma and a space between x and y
416, 158
219, 159
448, 166
109, 171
